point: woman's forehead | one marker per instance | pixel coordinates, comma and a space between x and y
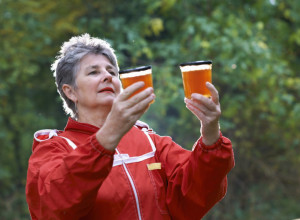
94, 61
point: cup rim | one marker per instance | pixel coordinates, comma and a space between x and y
194, 63
136, 69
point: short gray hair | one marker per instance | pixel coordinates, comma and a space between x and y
67, 62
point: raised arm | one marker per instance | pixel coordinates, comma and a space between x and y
196, 180
123, 115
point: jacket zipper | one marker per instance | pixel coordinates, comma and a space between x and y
133, 188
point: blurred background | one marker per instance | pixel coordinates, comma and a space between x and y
255, 49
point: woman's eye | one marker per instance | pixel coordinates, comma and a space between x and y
93, 73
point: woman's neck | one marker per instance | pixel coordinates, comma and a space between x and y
96, 117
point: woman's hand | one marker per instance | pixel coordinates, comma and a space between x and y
208, 111
124, 113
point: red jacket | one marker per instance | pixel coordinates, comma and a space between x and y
71, 176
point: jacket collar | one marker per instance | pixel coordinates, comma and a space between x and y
73, 125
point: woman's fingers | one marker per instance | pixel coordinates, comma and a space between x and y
127, 93
206, 109
127, 109
210, 103
213, 91
203, 102
130, 90
198, 104
136, 99
196, 111
143, 105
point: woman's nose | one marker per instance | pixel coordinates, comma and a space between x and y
106, 76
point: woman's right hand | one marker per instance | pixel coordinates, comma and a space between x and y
124, 113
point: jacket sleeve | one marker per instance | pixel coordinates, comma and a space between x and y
63, 183
197, 180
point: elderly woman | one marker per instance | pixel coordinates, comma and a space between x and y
108, 165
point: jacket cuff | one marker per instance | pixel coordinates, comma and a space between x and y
214, 146
98, 147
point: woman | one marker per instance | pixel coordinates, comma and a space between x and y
108, 165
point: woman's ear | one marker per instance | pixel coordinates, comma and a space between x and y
69, 92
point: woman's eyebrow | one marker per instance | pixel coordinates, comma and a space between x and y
108, 67
111, 67
92, 67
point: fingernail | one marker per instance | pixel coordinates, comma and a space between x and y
150, 89
193, 97
186, 100
141, 82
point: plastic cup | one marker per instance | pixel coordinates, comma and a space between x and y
130, 76
194, 77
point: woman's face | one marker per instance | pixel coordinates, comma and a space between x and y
97, 83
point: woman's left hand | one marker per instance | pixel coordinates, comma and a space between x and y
208, 111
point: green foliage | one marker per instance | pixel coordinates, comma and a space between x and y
255, 48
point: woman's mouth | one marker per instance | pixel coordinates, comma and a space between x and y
106, 89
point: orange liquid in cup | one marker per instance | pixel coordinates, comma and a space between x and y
133, 76
194, 78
